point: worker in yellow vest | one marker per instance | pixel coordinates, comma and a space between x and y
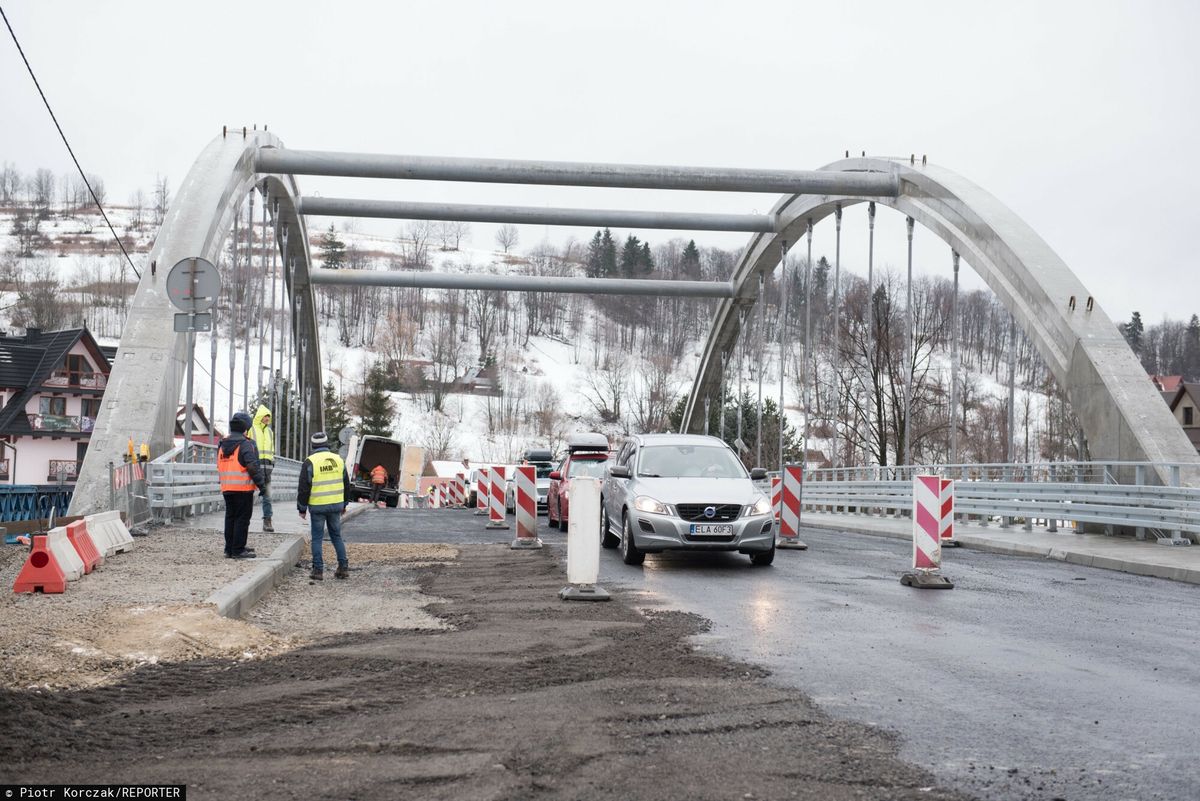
264, 439
324, 492
239, 474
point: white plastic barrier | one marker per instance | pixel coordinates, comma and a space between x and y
64, 553
583, 532
109, 533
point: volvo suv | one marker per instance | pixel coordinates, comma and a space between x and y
684, 492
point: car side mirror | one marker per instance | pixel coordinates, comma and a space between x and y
619, 471
758, 473
555, 475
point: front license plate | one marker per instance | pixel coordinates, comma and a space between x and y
711, 529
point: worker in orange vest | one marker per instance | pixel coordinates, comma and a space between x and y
240, 474
379, 478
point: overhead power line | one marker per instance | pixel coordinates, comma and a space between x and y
86, 182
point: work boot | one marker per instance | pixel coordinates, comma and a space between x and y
343, 572
267, 527
317, 575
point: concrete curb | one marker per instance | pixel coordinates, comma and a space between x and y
977, 543
239, 596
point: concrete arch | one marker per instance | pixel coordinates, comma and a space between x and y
1122, 416
144, 387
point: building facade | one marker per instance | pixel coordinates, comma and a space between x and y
51, 387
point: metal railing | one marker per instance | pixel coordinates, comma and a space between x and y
63, 470
1051, 494
182, 484
74, 378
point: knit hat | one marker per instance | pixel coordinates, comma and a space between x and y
240, 422
319, 440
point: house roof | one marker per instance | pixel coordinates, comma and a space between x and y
27, 361
1189, 388
1167, 383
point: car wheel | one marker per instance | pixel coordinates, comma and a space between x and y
607, 540
392, 503
763, 558
630, 554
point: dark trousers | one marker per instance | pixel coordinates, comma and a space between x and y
375, 490
239, 506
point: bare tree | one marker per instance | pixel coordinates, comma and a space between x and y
416, 248
10, 184
654, 395
458, 231
162, 198
41, 191
440, 443
507, 237
137, 202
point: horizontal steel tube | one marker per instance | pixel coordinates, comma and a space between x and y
571, 173
534, 215
523, 283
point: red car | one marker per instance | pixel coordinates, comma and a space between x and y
578, 463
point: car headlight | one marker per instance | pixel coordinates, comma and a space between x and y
644, 503
761, 507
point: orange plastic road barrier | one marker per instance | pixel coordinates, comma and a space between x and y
78, 534
41, 570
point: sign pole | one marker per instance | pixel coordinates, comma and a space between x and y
191, 363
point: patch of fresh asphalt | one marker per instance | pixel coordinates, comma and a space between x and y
1032, 679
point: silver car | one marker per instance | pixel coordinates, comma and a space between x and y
683, 492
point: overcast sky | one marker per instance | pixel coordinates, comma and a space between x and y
1080, 116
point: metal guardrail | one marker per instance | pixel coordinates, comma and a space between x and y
183, 484
1053, 494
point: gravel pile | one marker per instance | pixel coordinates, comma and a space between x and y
140, 607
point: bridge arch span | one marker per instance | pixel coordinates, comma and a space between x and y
1122, 415
144, 387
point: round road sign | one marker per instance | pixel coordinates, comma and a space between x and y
193, 285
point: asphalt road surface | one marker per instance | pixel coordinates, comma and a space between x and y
1030, 679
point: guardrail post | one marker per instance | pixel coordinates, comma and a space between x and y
1174, 475
1029, 480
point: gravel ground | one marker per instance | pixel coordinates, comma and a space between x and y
382, 593
521, 696
140, 607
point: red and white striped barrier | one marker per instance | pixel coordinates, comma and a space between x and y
405, 501
460, 490
776, 496
443, 496
946, 529
525, 503
927, 529
496, 498
483, 491
789, 508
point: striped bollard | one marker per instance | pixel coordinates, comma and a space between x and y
776, 496
496, 499
526, 506
927, 528
789, 509
443, 496
405, 500
482, 491
947, 521
460, 491
432, 503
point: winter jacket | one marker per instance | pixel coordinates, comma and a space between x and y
247, 456
305, 487
262, 435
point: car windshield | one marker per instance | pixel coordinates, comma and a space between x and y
586, 467
689, 461
544, 469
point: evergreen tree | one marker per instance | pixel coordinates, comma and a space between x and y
1191, 349
337, 416
647, 260
1132, 331
691, 260
594, 266
333, 249
377, 408
820, 292
608, 254
631, 256
792, 452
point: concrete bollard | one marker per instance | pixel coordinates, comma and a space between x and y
525, 481
789, 509
927, 546
583, 543
496, 499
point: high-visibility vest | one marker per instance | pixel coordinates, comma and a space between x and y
328, 485
234, 477
265, 441
378, 475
